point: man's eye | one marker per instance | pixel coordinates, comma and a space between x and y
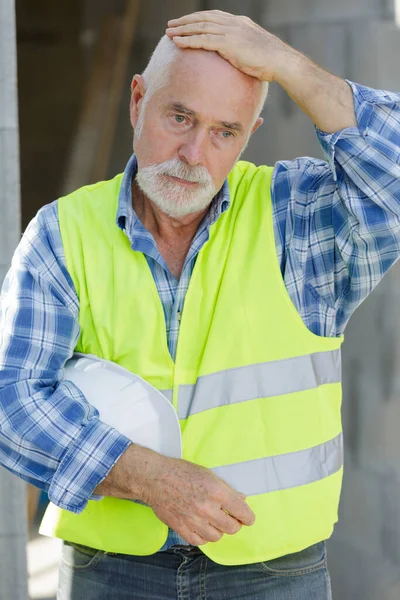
227, 134
179, 118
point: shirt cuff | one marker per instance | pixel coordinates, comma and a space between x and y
366, 100
85, 465
328, 140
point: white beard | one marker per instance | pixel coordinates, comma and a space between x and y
175, 200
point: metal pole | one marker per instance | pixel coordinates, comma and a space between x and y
13, 530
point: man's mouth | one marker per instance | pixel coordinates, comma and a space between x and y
183, 182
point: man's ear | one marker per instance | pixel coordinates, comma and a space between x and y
138, 89
257, 124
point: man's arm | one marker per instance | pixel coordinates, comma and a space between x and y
189, 498
325, 98
48, 431
337, 222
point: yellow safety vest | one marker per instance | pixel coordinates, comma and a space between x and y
258, 395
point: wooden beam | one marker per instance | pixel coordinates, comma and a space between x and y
119, 76
94, 140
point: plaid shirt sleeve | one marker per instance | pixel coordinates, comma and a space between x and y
337, 222
49, 434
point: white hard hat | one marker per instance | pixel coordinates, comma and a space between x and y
127, 402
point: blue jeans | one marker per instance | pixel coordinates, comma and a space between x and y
187, 574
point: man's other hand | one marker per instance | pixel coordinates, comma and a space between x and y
196, 504
239, 40
189, 498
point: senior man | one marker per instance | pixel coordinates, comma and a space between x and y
227, 283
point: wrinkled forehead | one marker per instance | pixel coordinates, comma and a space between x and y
209, 82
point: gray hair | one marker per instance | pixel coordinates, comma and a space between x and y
157, 72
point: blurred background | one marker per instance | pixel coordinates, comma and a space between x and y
75, 60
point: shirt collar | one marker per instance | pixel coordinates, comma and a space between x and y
127, 218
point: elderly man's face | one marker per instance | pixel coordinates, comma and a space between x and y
197, 125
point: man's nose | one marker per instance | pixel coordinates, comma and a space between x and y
193, 150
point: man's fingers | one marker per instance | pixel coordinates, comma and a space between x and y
206, 41
206, 533
241, 511
225, 523
194, 539
194, 28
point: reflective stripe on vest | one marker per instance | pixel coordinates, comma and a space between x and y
285, 471
258, 381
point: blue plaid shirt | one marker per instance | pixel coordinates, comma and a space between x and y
337, 231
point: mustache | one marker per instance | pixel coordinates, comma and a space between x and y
176, 168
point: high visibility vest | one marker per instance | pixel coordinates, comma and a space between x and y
257, 394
